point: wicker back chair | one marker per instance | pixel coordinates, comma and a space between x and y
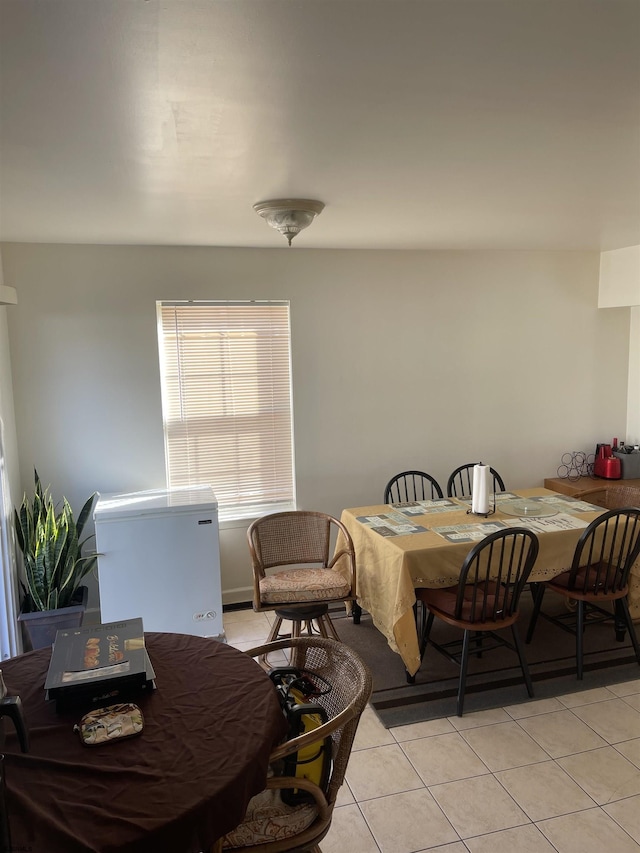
307, 577
411, 486
344, 703
460, 483
611, 496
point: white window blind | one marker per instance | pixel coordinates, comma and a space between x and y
226, 399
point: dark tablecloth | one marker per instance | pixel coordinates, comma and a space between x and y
180, 785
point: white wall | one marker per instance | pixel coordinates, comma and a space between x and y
620, 286
619, 277
400, 359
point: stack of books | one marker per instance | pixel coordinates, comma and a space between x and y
99, 665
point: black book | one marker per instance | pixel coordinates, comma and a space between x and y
100, 694
97, 663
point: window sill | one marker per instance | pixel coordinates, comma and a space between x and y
240, 520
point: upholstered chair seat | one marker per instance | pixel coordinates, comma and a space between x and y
269, 819
304, 585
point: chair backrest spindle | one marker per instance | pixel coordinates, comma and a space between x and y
608, 547
460, 483
494, 574
412, 486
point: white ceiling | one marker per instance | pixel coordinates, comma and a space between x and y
419, 123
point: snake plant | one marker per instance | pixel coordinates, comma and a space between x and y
49, 538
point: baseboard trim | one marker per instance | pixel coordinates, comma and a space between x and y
237, 605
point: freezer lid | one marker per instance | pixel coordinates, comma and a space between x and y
155, 501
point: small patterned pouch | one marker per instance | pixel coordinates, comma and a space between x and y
114, 722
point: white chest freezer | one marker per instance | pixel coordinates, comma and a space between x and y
160, 559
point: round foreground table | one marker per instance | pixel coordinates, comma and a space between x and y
181, 785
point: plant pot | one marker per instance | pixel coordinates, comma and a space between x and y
41, 625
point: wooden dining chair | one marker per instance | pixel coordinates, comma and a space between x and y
411, 486
272, 825
598, 578
485, 600
460, 483
296, 573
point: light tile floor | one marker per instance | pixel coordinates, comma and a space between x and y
558, 774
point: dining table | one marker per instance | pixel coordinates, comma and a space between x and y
400, 547
210, 725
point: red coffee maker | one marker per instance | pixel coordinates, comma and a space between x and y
606, 465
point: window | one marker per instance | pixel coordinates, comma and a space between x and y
10, 639
226, 399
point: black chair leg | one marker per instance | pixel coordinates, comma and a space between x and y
411, 679
356, 612
424, 640
478, 639
517, 642
579, 636
623, 605
463, 672
539, 595
619, 621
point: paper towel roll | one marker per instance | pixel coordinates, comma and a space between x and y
480, 493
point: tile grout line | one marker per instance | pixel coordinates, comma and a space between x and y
518, 720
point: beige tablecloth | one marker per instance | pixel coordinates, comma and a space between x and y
390, 568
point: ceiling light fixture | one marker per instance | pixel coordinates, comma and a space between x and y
289, 215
